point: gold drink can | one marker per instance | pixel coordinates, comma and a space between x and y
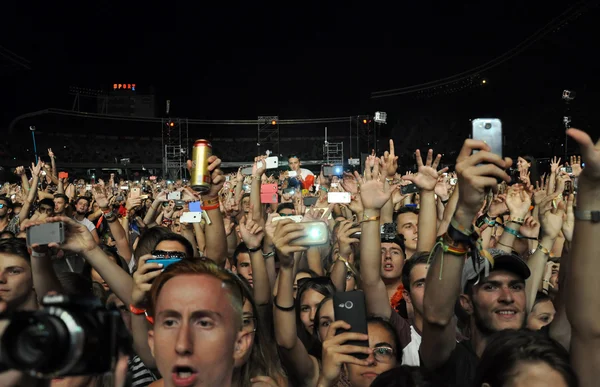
200, 176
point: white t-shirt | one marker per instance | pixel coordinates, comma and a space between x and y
305, 173
410, 353
86, 222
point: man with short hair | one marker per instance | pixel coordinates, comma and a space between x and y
414, 273
197, 333
61, 203
46, 207
16, 279
407, 224
82, 207
243, 264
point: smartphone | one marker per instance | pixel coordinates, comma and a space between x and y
292, 174
63, 175
135, 193
409, 189
315, 234
179, 203
351, 308
289, 191
268, 198
310, 201
247, 171
88, 187
568, 170
125, 187
333, 170
339, 197
489, 130
268, 189
46, 233
174, 196
568, 188
272, 163
453, 181
195, 207
191, 217
144, 197
295, 218
166, 258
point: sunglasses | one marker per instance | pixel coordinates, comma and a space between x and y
2, 206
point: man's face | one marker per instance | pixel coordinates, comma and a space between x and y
246, 204
417, 287
499, 302
554, 278
16, 281
171, 246
392, 261
294, 163
4, 211
407, 225
244, 267
82, 207
59, 205
195, 332
46, 209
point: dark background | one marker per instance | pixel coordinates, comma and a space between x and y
305, 60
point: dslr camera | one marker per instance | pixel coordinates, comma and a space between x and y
69, 336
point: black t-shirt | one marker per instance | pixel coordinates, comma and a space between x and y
458, 371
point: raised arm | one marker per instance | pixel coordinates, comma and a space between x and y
583, 304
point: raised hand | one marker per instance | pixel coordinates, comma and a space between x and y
498, 206
100, 197
551, 217
142, 281
260, 166
20, 171
590, 153
442, 187
372, 192
390, 161
554, 165
530, 228
427, 176
344, 237
270, 225
576, 165
77, 237
350, 183
477, 173
286, 232
518, 201
336, 353
569, 221
252, 233
50, 153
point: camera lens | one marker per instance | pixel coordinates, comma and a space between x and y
31, 341
488, 125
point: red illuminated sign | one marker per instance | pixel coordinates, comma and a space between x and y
124, 86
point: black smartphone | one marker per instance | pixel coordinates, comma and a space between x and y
409, 189
333, 170
351, 308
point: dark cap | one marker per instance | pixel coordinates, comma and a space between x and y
501, 261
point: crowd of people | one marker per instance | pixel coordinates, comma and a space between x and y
485, 275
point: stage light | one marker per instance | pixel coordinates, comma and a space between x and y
484, 82
365, 122
273, 122
171, 123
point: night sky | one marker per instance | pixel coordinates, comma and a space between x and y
301, 59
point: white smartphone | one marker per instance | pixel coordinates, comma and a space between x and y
125, 187
191, 217
88, 187
174, 196
292, 174
295, 218
247, 171
489, 130
272, 162
339, 197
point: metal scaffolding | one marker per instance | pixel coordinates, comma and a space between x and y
333, 153
268, 135
175, 147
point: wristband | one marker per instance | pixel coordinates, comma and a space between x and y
283, 308
208, 208
369, 219
108, 210
109, 214
512, 231
210, 202
269, 255
543, 249
254, 250
518, 221
458, 227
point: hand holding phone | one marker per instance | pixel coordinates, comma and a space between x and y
44, 234
350, 307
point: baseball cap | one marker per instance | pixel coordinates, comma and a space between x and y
500, 260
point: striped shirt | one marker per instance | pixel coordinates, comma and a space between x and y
141, 376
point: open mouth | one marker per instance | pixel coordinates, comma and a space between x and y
388, 267
184, 376
506, 314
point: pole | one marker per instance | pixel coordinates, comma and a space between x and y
32, 128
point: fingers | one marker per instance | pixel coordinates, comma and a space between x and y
338, 324
392, 151
469, 146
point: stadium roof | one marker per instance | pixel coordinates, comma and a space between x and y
11, 62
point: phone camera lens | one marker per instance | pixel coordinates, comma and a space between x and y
488, 125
